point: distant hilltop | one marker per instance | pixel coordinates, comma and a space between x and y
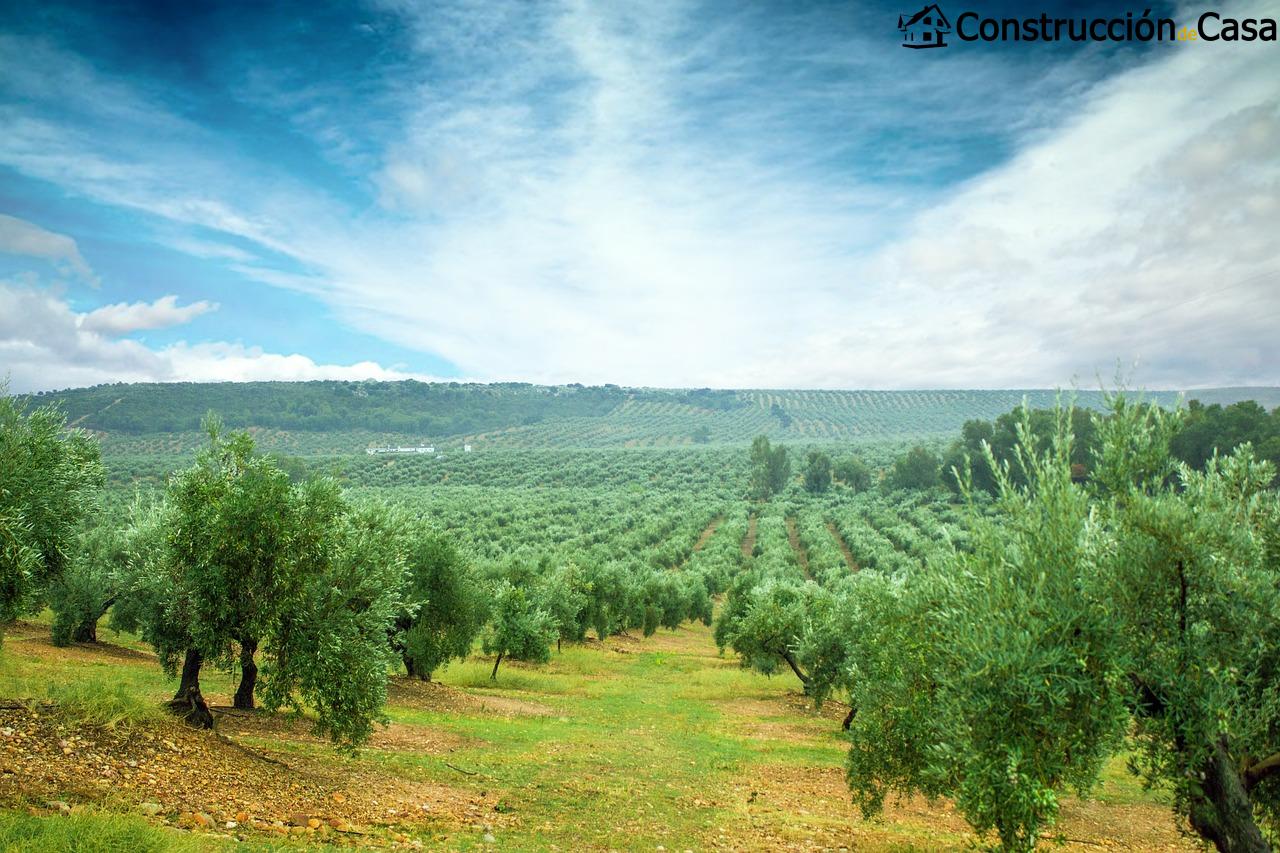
354, 417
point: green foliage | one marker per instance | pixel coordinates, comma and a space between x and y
988, 676
762, 620
968, 454
1144, 603
89, 585
817, 472
1207, 430
519, 628
565, 593
49, 478
1190, 573
330, 648
240, 555
916, 469
445, 605
853, 472
770, 468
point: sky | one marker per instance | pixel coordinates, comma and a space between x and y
667, 193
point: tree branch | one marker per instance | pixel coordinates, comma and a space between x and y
791, 662
1263, 769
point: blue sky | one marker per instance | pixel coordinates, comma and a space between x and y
668, 193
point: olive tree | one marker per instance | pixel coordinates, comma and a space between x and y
817, 472
770, 468
98, 570
1191, 577
248, 563
990, 676
565, 593
329, 649
519, 628
49, 478
232, 524
445, 606
1141, 607
763, 619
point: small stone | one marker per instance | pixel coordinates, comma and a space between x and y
241, 817
313, 823
150, 809
488, 838
60, 806
231, 824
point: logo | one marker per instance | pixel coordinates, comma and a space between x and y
926, 28
930, 27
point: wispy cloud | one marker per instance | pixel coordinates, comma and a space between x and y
664, 194
125, 318
45, 344
19, 237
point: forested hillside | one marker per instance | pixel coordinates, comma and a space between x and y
308, 418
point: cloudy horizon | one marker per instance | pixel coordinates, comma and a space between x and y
683, 194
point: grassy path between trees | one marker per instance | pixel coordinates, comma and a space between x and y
627, 745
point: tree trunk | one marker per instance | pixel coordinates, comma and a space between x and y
409, 668
248, 676
189, 703
87, 631
795, 667
190, 674
493, 676
848, 718
1221, 812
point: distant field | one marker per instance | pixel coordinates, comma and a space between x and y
340, 418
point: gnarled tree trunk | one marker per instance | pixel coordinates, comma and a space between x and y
190, 674
1222, 813
87, 631
248, 676
189, 702
493, 676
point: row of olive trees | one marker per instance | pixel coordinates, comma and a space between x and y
1139, 610
233, 566
237, 567
1134, 614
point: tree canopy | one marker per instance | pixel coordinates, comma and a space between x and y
1142, 602
770, 468
49, 480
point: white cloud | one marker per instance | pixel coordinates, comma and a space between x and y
19, 237
44, 344
1139, 229
124, 318
626, 194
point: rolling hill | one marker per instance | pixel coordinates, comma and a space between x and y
309, 418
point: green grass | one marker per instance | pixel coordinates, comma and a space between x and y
627, 747
94, 831
90, 831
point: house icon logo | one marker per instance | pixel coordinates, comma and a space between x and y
926, 28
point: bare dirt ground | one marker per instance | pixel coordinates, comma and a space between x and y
844, 546
794, 538
749, 541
